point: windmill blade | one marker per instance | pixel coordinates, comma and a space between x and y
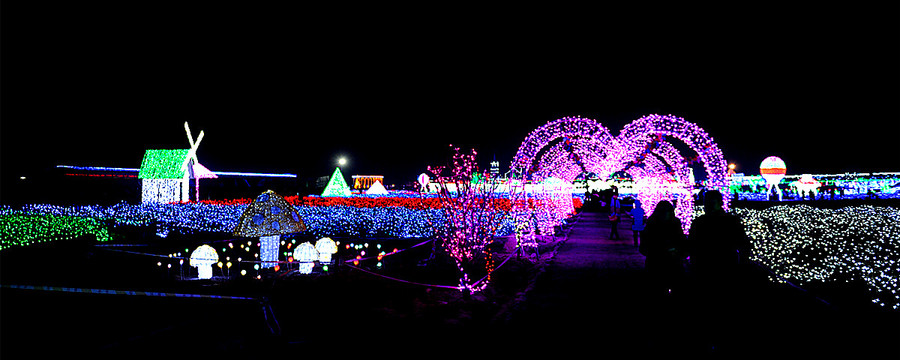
192, 153
197, 144
187, 129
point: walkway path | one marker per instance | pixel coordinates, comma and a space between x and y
592, 297
587, 295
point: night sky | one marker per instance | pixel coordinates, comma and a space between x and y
292, 90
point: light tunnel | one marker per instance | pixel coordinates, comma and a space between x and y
568, 147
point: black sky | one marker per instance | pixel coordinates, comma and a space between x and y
292, 89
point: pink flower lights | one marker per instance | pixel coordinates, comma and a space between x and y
471, 220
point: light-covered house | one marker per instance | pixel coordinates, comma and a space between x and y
165, 179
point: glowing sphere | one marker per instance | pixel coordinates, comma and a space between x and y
772, 169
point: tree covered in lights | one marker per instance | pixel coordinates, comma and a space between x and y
337, 186
470, 218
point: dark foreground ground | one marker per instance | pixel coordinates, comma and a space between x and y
592, 297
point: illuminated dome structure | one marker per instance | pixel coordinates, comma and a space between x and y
568, 147
269, 217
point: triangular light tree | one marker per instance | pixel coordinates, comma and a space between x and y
336, 185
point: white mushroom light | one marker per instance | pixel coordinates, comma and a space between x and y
325, 246
306, 254
203, 258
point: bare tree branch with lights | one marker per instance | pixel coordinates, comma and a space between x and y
471, 219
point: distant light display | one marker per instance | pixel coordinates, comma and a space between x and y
203, 258
423, 180
807, 184
363, 182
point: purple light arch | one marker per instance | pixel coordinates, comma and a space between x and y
567, 147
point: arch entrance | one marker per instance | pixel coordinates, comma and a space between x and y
645, 149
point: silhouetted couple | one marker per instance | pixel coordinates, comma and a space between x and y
716, 243
716, 247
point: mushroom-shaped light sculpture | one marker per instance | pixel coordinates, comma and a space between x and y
325, 246
306, 254
204, 257
269, 217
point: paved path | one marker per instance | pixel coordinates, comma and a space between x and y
593, 298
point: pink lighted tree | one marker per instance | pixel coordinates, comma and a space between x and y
471, 220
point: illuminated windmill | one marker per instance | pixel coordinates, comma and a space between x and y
165, 174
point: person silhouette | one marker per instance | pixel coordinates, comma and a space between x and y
717, 242
614, 216
661, 243
637, 224
717, 245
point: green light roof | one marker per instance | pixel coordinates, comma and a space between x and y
163, 164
